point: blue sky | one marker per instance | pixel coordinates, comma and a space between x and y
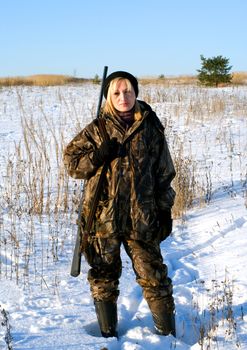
145, 37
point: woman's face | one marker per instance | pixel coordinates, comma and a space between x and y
122, 99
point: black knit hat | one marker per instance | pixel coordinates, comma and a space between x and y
121, 74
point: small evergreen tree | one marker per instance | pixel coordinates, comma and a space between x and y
214, 71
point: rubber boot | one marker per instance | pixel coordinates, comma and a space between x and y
165, 324
163, 316
106, 312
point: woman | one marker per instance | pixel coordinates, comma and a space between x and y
135, 203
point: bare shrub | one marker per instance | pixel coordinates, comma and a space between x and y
7, 328
184, 184
215, 312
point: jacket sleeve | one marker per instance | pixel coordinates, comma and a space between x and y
78, 153
165, 194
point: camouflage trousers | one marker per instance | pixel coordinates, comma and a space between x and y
147, 262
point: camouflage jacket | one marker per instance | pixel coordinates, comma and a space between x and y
138, 182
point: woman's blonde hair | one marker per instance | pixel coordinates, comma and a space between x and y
108, 107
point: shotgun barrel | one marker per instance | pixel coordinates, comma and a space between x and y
81, 237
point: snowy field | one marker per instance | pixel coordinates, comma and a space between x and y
41, 306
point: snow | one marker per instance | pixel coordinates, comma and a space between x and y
206, 255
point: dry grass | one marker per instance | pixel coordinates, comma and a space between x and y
5, 323
35, 184
40, 80
184, 184
239, 78
214, 312
40, 201
168, 81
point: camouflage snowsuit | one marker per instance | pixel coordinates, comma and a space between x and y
137, 186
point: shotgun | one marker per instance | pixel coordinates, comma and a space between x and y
82, 236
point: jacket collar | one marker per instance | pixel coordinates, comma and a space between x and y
145, 111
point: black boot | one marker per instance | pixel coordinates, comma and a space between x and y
163, 315
165, 324
106, 312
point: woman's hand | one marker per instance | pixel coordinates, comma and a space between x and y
107, 151
165, 224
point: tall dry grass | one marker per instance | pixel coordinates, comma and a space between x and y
213, 311
170, 80
40, 80
36, 191
239, 78
39, 201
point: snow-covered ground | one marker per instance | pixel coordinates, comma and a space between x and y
43, 307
